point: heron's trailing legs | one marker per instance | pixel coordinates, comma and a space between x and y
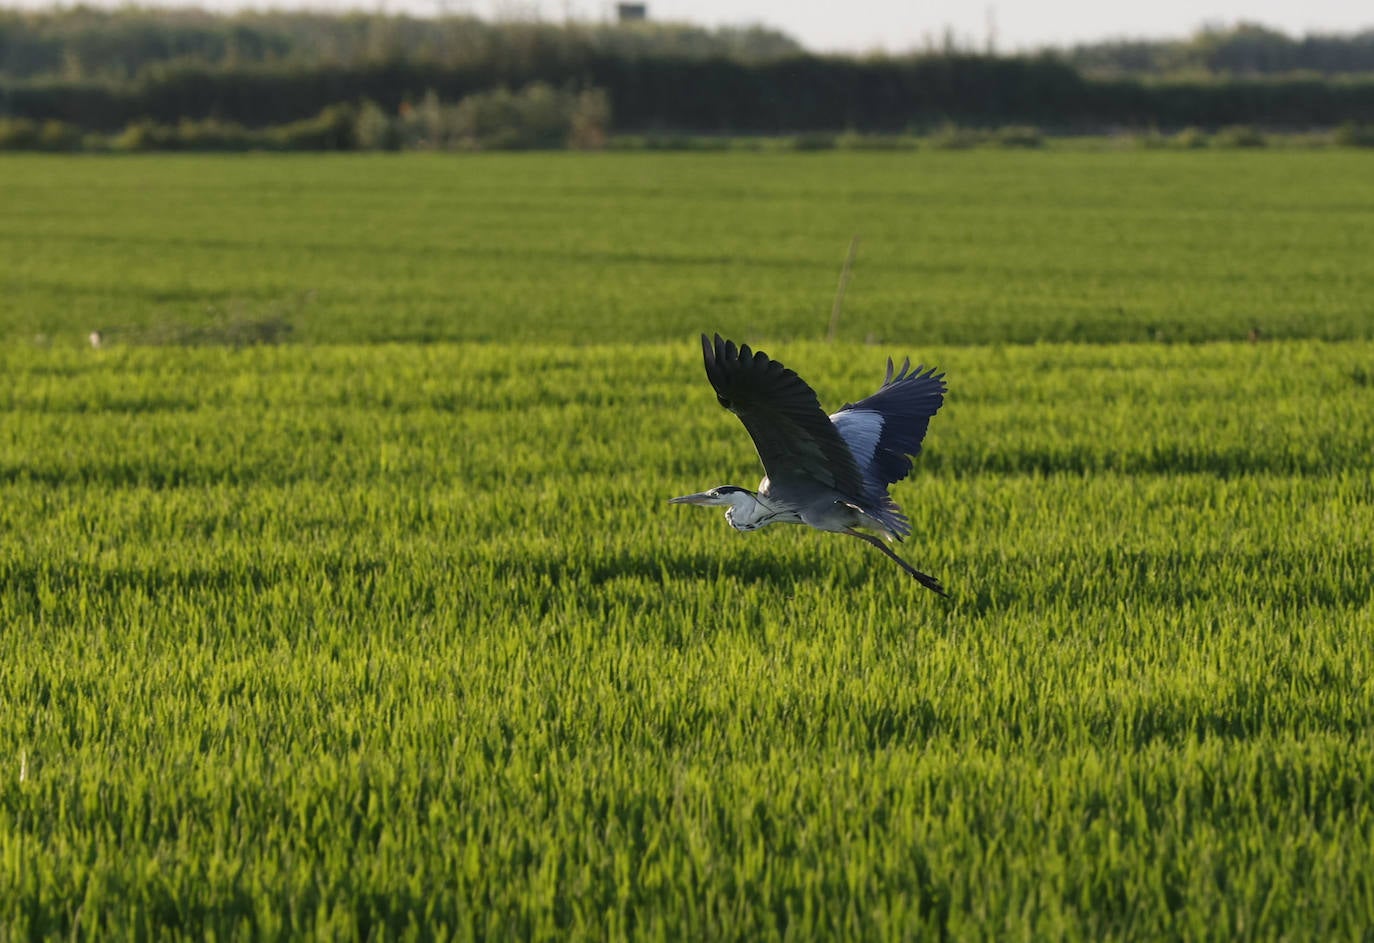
929, 582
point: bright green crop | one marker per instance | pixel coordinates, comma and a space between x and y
404, 641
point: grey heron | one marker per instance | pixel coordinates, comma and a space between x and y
828, 472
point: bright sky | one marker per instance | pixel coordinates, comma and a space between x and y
895, 25
901, 25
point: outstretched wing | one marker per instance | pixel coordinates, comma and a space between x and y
884, 431
793, 435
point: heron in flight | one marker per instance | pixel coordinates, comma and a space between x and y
828, 472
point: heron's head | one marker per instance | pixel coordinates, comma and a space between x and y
741, 504
728, 496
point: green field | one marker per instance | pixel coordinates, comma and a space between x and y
336, 638
956, 248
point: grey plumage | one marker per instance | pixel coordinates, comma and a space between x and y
828, 472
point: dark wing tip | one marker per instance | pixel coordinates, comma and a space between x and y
718, 353
896, 374
919, 373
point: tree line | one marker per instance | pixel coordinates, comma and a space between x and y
92, 45
85, 43
717, 96
1245, 49
171, 68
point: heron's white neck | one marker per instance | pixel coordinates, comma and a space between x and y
747, 511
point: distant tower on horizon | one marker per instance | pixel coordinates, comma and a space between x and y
631, 12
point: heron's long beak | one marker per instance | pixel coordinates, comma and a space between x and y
701, 497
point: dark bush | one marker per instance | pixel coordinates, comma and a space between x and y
145, 136
211, 135
1018, 135
1239, 136
18, 134
814, 141
57, 135
1353, 134
330, 130
1191, 138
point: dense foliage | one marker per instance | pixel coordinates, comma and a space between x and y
718, 96
87, 43
1246, 49
100, 71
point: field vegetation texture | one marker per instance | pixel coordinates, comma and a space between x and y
388, 632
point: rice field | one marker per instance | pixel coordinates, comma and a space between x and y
955, 247
387, 631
